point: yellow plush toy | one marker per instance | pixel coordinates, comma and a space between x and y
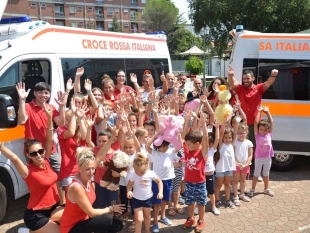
223, 111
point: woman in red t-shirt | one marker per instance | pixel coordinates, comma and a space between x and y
42, 210
79, 215
108, 89
120, 86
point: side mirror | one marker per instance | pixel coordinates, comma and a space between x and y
8, 117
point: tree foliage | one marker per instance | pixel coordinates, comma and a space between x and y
116, 27
161, 14
194, 65
264, 16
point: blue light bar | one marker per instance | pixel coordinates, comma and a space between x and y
155, 33
16, 20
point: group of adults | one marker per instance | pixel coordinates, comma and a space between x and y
43, 212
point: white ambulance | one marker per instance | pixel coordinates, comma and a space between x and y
289, 97
33, 52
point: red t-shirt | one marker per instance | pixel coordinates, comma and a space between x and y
68, 146
36, 124
117, 91
73, 213
101, 169
42, 186
250, 98
195, 164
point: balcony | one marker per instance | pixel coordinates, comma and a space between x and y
59, 1
98, 2
99, 17
60, 14
133, 3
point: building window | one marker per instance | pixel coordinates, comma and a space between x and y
110, 11
33, 5
125, 10
133, 15
73, 24
143, 1
60, 23
134, 1
80, 8
43, 5
134, 28
90, 8
110, 26
144, 27
72, 9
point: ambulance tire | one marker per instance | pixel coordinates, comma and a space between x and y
283, 162
3, 202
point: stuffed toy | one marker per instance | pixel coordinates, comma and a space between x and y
192, 105
223, 111
119, 163
170, 126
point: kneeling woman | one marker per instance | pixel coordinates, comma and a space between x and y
42, 210
79, 216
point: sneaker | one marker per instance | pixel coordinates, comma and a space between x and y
189, 223
181, 200
230, 204
216, 211
218, 203
200, 226
165, 221
236, 201
260, 179
23, 230
196, 212
155, 228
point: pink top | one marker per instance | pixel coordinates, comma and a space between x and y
263, 146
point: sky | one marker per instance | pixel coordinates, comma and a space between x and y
183, 8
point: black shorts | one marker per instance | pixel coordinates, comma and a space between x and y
36, 219
210, 184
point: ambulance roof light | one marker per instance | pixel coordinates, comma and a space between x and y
15, 20
155, 33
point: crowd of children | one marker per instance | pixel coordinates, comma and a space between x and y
115, 119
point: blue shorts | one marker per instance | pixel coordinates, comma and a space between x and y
135, 203
67, 181
222, 174
167, 190
195, 192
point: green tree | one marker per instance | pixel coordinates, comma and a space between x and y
264, 16
194, 65
116, 27
161, 14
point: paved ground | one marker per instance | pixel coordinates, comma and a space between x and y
288, 211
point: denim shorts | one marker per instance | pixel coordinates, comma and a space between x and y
167, 190
67, 181
195, 192
222, 174
148, 203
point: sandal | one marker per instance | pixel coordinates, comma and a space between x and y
244, 198
230, 204
236, 201
171, 211
179, 210
132, 228
269, 192
218, 203
124, 220
251, 192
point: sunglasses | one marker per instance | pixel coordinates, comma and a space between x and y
35, 153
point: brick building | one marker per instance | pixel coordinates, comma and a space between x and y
94, 14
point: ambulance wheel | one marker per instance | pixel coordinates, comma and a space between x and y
3, 202
283, 162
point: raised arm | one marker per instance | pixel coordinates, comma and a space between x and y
93, 101
149, 143
241, 112
49, 131
188, 116
165, 83
133, 79
231, 81
257, 118
61, 100
80, 114
270, 119
205, 137
271, 79
90, 124
77, 80
23, 94
217, 134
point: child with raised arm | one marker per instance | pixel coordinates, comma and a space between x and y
263, 151
226, 164
196, 149
243, 157
141, 183
162, 158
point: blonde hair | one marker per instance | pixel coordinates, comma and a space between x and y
105, 76
140, 132
84, 155
243, 126
107, 81
140, 160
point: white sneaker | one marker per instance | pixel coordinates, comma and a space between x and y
196, 212
216, 211
23, 230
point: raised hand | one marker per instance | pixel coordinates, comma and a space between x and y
69, 85
203, 99
87, 85
260, 108
238, 118
162, 76
48, 110
80, 113
230, 72
61, 98
79, 71
216, 123
265, 108
206, 92
89, 121
155, 107
274, 73
22, 93
133, 78
112, 130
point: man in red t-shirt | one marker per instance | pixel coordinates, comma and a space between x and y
250, 95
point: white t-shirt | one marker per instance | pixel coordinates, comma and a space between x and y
142, 185
227, 159
242, 150
163, 163
124, 180
209, 167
